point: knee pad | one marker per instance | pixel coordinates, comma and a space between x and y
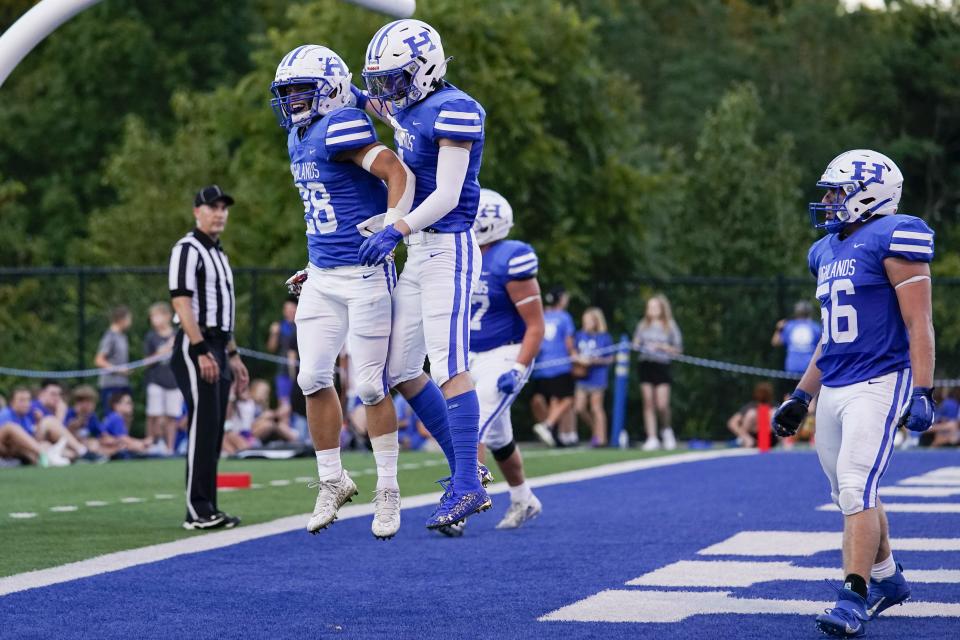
504, 452
312, 381
850, 501
370, 394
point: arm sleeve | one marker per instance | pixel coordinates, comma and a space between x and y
459, 120
348, 129
452, 165
910, 240
522, 263
182, 274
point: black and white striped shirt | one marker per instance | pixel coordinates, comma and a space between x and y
199, 268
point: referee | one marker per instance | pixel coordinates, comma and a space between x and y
205, 359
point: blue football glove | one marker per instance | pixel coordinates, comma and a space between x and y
512, 380
919, 414
360, 98
790, 415
377, 247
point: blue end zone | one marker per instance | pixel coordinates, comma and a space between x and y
593, 536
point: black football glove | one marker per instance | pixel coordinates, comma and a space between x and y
790, 415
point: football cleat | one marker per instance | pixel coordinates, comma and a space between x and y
887, 593
458, 507
216, 521
332, 495
847, 618
453, 530
386, 513
485, 476
521, 512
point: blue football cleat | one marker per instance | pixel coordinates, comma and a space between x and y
847, 618
458, 507
887, 593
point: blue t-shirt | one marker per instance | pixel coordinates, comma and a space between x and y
557, 327
113, 424
89, 428
949, 409
800, 336
494, 320
409, 433
594, 345
863, 331
445, 113
36, 407
337, 196
25, 421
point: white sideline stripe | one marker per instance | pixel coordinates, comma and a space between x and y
913, 235
340, 126
638, 605
163, 496
908, 507
131, 500
279, 483
303, 479
218, 539
808, 543
921, 492
724, 573
911, 248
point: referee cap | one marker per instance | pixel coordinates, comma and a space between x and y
211, 194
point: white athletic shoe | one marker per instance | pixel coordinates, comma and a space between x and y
669, 440
386, 513
56, 460
543, 432
332, 495
652, 444
520, 512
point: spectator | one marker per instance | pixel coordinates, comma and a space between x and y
114, 434
114, 350
552, 400
48, 412
946, 426
17, 434
281, 341
164, 400
658, 339
268, 424
413, 435
238, 428
593, 346
81, 419
801, 335
743, 424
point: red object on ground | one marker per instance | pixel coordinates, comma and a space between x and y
233, 481
763, 427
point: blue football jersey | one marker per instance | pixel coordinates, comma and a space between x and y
337, 196
594, 345
445, 113
557, 327
863, 331
494, 320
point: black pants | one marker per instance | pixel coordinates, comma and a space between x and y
206, 413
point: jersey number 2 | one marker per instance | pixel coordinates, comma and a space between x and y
319, 212
831, 318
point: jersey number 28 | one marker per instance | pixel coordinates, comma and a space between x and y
837, 311
318, 211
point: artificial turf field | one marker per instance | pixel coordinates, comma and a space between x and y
705, 545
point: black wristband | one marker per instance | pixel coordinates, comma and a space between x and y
199, 348
232, 352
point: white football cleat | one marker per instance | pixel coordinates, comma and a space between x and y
520, 512
332, 495
386, 513
669, 440
543, 432
652, 444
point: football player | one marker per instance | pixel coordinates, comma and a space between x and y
340, 168
506, 328
873, 368
439, 134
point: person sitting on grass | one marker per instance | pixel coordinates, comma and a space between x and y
81, 419
946, 427
49, 411
269, 424
16, 420
114, 434
743, 424
237, 429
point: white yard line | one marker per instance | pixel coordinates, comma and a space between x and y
219, 539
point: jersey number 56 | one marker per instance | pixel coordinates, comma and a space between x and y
837, 311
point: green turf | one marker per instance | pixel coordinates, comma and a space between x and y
52, 538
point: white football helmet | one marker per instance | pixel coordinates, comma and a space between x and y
311, 81
871, 185
404, 63
494, 217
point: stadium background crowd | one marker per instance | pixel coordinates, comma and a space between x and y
656, 182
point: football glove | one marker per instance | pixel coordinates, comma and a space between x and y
919, 414
295, 282
377, 247
790, 415
512, 380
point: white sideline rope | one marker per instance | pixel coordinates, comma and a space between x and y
706, 363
